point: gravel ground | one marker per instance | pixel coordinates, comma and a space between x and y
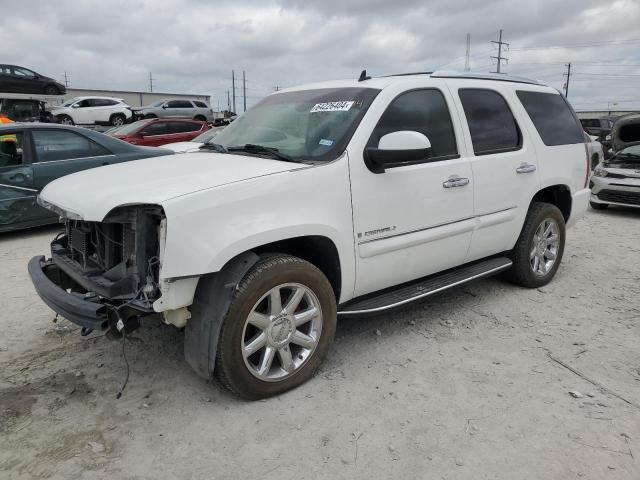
460, 387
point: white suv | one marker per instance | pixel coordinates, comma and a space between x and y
93, 111
341, 198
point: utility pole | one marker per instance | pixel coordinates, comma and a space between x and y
568, 75
499, 58
228, 102
66, 80
466, 62
244, 92
233, 87
276, 88
150, 82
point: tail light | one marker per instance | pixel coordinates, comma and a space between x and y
588, 171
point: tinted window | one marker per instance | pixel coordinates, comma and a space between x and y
423, 111
5, 70
200, 104
10, 149
553, 118
102, 102
156, 128
491, 124
183, 127
23, 72
61, 145
179, 104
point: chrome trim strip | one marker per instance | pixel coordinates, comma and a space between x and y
434, 226
73, 159
426, 294
24, 189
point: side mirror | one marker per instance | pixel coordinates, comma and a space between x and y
396, 149
165, 106
75, 105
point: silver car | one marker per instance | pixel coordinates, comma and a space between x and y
616, 181
196, 109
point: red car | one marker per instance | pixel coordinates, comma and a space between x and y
154, 132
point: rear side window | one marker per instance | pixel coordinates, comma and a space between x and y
179, 104
552, 117
491, 124
156, 128
423, 111
183, 127
200, 104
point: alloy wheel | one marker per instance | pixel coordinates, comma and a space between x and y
282, 332
544, 247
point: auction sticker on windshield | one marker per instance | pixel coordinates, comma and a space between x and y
332, 107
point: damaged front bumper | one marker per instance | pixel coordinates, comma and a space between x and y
49, 280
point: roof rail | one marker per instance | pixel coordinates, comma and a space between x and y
501, 77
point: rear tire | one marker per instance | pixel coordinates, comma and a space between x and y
265, 348
65, 120
538, 251
200, 118
51, 90
117, 120
598, 206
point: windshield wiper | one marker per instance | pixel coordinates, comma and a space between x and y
252, 148
216, 147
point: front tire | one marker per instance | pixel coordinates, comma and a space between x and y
278, 328
117, 120
539, 249
598, 206
51, 90
65, 119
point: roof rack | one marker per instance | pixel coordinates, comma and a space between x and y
501, 77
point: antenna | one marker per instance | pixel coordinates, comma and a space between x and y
363, 76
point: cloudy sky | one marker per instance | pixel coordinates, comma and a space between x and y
191, 46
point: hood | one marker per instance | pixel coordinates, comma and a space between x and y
625, 132
93, 193
183, 147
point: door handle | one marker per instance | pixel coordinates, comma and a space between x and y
455, 181
526, 168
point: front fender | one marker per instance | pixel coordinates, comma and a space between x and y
208, 228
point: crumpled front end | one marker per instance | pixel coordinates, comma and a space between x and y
103, 273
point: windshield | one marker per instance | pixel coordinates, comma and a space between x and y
68, 103
629, 154
305, 125
208, 135
129, 128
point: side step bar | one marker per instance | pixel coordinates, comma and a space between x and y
409, 292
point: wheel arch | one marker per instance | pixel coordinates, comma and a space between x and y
558, 195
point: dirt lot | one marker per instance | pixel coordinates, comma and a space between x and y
458, 387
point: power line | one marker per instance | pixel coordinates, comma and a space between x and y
499, 58
604, 43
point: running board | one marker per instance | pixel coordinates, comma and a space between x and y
406, 293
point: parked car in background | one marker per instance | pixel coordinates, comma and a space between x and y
93, 111
15, 79
598, 127
25, 110
594, 147
195, 144
32, 155
616, 181
154, 132
196, 109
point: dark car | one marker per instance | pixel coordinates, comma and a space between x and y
14, 79
32, 155
154, 132
24, 110
598, 127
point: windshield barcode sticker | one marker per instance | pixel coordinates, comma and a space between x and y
332, 107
